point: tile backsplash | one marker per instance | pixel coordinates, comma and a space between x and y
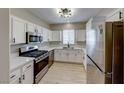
15, 48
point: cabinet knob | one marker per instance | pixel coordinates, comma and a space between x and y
120, 15
13, 40
20, 80
23, 77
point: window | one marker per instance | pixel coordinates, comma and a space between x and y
68, 36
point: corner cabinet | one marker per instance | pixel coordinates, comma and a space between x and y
18, 30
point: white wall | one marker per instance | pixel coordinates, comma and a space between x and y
25, 14
4, 45
106, 11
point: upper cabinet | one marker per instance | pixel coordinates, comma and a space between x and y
39, 29
80, 35
30, 27
18, 30
56, 35
45, 35
19, 27
116, 15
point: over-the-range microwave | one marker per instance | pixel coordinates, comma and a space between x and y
33, 37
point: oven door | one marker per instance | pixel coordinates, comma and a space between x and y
39, 66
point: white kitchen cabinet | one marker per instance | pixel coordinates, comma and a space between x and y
80, 35
22, 75
18, 30
76, 56
39, 29
57, 55
69, 55
15, 77
115, 15
30, 27
45, 35
27, 74
56, 35
50, 35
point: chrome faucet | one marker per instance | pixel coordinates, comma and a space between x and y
68, 45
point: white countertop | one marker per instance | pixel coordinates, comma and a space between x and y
51, 48
16, 61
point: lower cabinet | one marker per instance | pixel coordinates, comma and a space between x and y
27, 74
15, 77
68, 55
22, 75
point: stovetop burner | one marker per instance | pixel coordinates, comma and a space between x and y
35, 53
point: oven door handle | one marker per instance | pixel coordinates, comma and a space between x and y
41, 59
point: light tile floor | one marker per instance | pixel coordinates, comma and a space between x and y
65, 73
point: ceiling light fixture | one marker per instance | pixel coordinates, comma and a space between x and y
64, 12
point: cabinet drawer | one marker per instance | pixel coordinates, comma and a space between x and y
27, 66
15, 74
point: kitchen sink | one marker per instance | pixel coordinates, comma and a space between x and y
68, 47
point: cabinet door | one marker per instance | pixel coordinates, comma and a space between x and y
45, 35
30, 27
27, 75
16, 81
50, 35
81, 35
56, 36
39, 29
65, 55
79, 56
57, 55
18, 31
15, 77
75, 56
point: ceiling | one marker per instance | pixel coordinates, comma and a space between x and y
49, 15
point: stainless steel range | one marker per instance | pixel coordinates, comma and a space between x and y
40, 61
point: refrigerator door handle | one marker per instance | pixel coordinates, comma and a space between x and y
109, 74
97, 66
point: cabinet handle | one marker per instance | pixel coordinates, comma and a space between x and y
28, 66
23, 77
12, 76
14, 40
20, 80
120, 13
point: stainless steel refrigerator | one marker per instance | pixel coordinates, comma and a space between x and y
104, 45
